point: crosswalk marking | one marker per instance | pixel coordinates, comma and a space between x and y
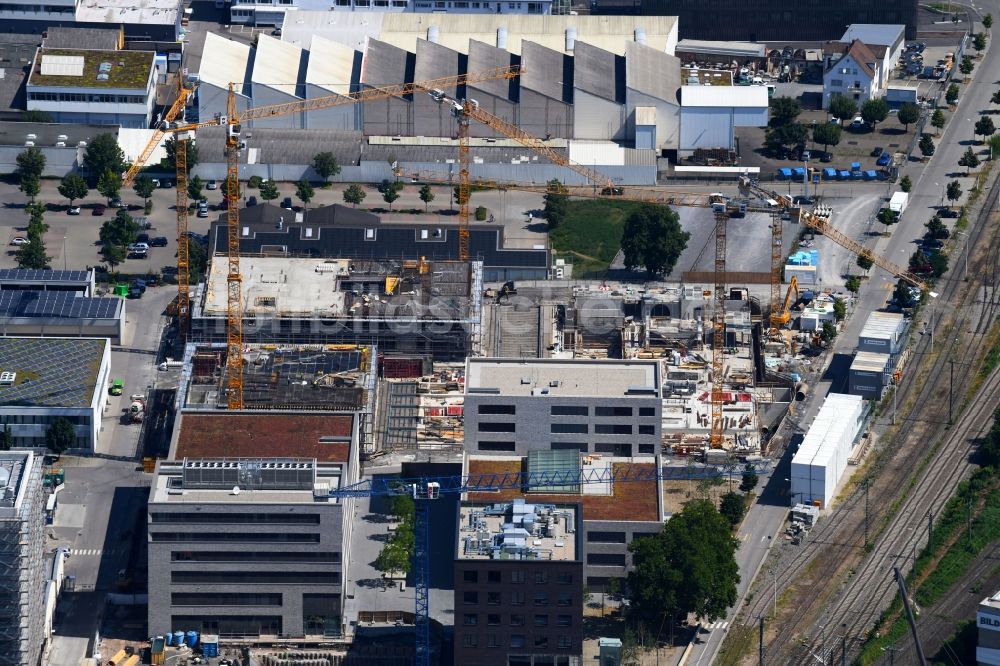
721, 624
93, 551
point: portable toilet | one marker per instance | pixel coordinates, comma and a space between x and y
121, 289
210, 645
610, 651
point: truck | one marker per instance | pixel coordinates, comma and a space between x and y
898, 202
117, 387
137, 410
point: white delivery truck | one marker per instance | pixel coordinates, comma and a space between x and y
898, 202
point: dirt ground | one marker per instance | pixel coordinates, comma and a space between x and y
611, 625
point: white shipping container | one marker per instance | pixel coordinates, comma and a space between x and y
821, 459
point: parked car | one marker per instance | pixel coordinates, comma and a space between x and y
117, 387
858, 122
932, 242
166, 182
202, 212
286, 203
156, 182
18, 240
137, 254
158, 241
135, 247
884, 160
73, 210
142, 238
876, 151
948, 213
99, 209
212, 185
118, 203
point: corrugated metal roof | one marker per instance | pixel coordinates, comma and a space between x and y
732, 49
287, 146
607, 153
724, 96
385, 64
652, 72
224, 60
546, 72
332, 66
884, 325
870, 362
434, 61
348, 28
276, 64
874, 33
95, 38
611, 33
597, 72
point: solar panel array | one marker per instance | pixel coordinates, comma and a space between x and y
62, 65
57, 304
51, 372
38, 275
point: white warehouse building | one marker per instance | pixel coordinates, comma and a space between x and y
711, 114
821, 459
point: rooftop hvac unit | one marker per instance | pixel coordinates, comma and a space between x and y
640, 35
31, 137
7, 378
502, 37
570, 39
433, 32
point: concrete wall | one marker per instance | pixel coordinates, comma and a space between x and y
534, 422
667, 118
265, 96
597, 118
212, 100
869, 385
343, 117
498, 106
543, 116
608, 544
392, 116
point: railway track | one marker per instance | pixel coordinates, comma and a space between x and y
841, 535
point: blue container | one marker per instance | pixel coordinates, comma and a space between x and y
814, 257
856, 175
829, 173
844, 175
178, 638
210, 649
169, 638
784, 172
855, 166
799, 172
192, 638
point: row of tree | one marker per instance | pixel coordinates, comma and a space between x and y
397, 554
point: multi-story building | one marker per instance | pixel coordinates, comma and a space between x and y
252, 547
89, 86
272, 12
988, 622
513, 406
22, 547
42, 379
518, 585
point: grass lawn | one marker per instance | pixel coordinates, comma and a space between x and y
591, 235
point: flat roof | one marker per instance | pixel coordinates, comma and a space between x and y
49, 134
870, 362
276, 65
991, 602
332, 66
325, 437
839, 413
724, 96
295, 287
51, 372
518, 530
874, 33
15, 471
728, 49
352, 29
706, 77
57, 305
575, 377
224, 61
153, 12
626, 501
281, 480
884, 325
37, 276
124, 69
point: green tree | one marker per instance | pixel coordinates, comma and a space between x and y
829, 332
61, 435
843, 108
853, 284
937, 118
143, 186
325, 165
6, 438
939, 264
653, 238
792, 134
104, 154
906, 184
109, 185
907, 115
31, 162
874, 111
30, 185
191, 156
197, 259
118, 233
951, 94
34, 116
994, 143
354, 194
390, 190
304, 191
113, 255
32, 254
269, 190
984, 127
967, 65
392, 559
936, 228
688, 567
954, 191
839, 309
784, 111
888, 217
196, 185
426, 195
864, 262
979, 41
731, 506
556, 203
926, 145
749, 479
73, 186
987, 21
402, 508
36, 213
968, 160
827, 134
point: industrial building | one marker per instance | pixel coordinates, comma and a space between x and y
339, 231
869, 375
883, 333
515, 406
149, 20
60, 314
423, 307
988, 626
518, 584
22, 549
821, 459
80, 283
59, 142
45, 379
244, 12
249, 546
613, 514
95, 87
711, 112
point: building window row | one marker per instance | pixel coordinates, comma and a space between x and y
42, 419
224, 537
36, 9
224, 599
519, 641
495, 577
517, 620
496, 427
599, 429
252, 556
497, 409
256, 577
80, 97
236, 518
497, 446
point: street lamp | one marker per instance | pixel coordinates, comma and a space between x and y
64, 253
